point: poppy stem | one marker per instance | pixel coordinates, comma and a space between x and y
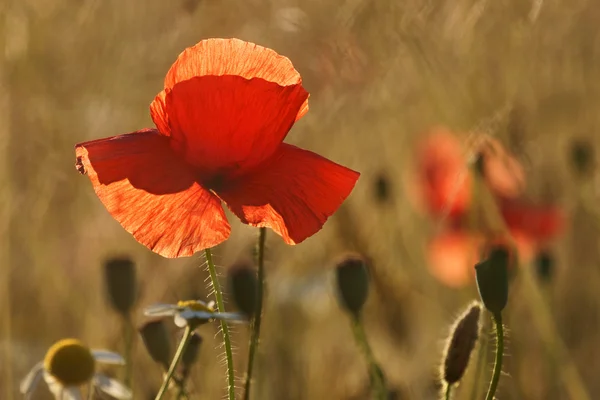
499, 354
224, 328
254, 340
376, 374
128, 339
187, 334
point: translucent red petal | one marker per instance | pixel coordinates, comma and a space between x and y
293, 193
452, 257
228, 124
152, 193
541, 222
234, 57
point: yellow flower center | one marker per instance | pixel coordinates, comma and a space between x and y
70, 362
195, 305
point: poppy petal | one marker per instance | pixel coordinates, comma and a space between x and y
152, 193
452, 257
158, 112
229, 124
444, 182
541, 222
236, 57
293, 193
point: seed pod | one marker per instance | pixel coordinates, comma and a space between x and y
582, 157
545, 266
156, 340
382, 188
352, 283
460, 344
121, 284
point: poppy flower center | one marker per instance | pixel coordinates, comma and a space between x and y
70, 362
194, 305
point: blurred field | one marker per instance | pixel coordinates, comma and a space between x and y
379, 73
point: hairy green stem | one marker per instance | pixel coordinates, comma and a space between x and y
254, 339
375, 372
182, 345
224, 328
499, 354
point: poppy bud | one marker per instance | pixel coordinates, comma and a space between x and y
190, 354
382, 188
479, 164
492, 279
121, 284
352, 283
460, 344
545, 266
243, 286
582, 157
156, 340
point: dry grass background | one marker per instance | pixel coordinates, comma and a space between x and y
379, 73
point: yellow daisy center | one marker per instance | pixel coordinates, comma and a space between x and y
194, 305
70, 362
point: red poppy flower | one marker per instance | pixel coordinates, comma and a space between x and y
221, 120
443, 183
453, 253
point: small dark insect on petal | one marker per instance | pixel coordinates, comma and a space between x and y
80, 167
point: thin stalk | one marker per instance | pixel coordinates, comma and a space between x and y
448, 392
128, 338
254, 339
187, 334
224, 328
479, 366
499, 354
375, 372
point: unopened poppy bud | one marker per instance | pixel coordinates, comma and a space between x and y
244, 288
582, 157
460, 344
382, 188
545, 266
156, 340
479, 164
352, 283
492, 279
121, 284
190, 354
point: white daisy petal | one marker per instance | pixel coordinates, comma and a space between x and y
180, 321
29, 383
231, 316
71, 393
107, 357
189, 314
211, 304
161, 310
55, 387
112, 387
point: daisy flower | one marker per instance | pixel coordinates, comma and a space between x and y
69, 365
192, 312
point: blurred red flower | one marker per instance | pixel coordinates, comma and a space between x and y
445, 188
221, 120
443, 183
